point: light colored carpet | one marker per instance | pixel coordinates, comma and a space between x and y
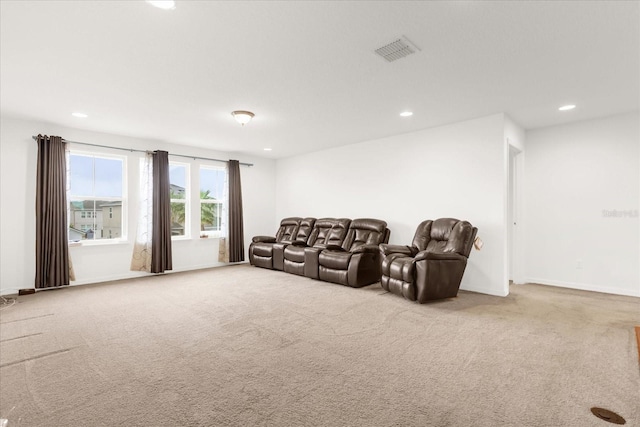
243, 346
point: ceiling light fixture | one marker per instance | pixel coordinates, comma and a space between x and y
567, 107
406, 114
267, 149
163, 4
242, 117
80, 115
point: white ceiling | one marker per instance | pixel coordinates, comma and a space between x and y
308, 69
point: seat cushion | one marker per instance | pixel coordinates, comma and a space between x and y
402, 268
262, 249
294, 253
335, 260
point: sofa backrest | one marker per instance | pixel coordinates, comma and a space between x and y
328, 231
365, 231
304, 231
445, 235
288, 229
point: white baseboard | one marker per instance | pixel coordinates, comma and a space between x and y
107, 278
9, 291
585, 287
123, 276
136, 274
485, 291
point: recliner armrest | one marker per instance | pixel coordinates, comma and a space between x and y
335, 248
365, 249
439, 256
263, 239
298, 243
387, 249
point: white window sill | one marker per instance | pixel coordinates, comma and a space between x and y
101, 242
210, 236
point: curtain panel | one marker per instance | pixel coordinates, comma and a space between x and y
161, 259
236, 227
141, 259
223, 246
52, 246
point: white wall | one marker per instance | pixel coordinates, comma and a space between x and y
449, 171
18, 154
573, 173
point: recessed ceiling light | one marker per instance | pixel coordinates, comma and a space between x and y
267, 149
406, 114
80, 115
163, 4
567, 107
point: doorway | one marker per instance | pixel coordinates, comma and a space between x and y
514, 216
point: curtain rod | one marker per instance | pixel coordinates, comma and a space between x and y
132, 150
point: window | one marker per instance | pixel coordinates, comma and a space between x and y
211, 192
96, 187
178, 183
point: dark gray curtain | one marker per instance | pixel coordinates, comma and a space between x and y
52, 247
161, 236
236, 228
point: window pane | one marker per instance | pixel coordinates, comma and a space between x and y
108, 177
177, 181
95, 176
210, 215
95, 219
177, 218
111, 215
81, 175
211, 183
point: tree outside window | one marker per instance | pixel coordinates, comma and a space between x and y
211, 194
179, 194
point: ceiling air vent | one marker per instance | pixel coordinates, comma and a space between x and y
397, 49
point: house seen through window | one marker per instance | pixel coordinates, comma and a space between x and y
211, 199
96, 197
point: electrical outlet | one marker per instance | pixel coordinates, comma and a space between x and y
579, 264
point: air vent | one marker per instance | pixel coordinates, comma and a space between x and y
397, 49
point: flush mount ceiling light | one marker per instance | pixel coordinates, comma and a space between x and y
80, 115
163, 4
567, 107
406, 114
242, 117
267, 149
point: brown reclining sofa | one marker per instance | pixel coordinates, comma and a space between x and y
337, 250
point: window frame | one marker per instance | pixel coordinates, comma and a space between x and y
123, 238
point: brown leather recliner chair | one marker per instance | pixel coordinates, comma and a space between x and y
356, 262
302, 258
301, 237
263, 248
432, 267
